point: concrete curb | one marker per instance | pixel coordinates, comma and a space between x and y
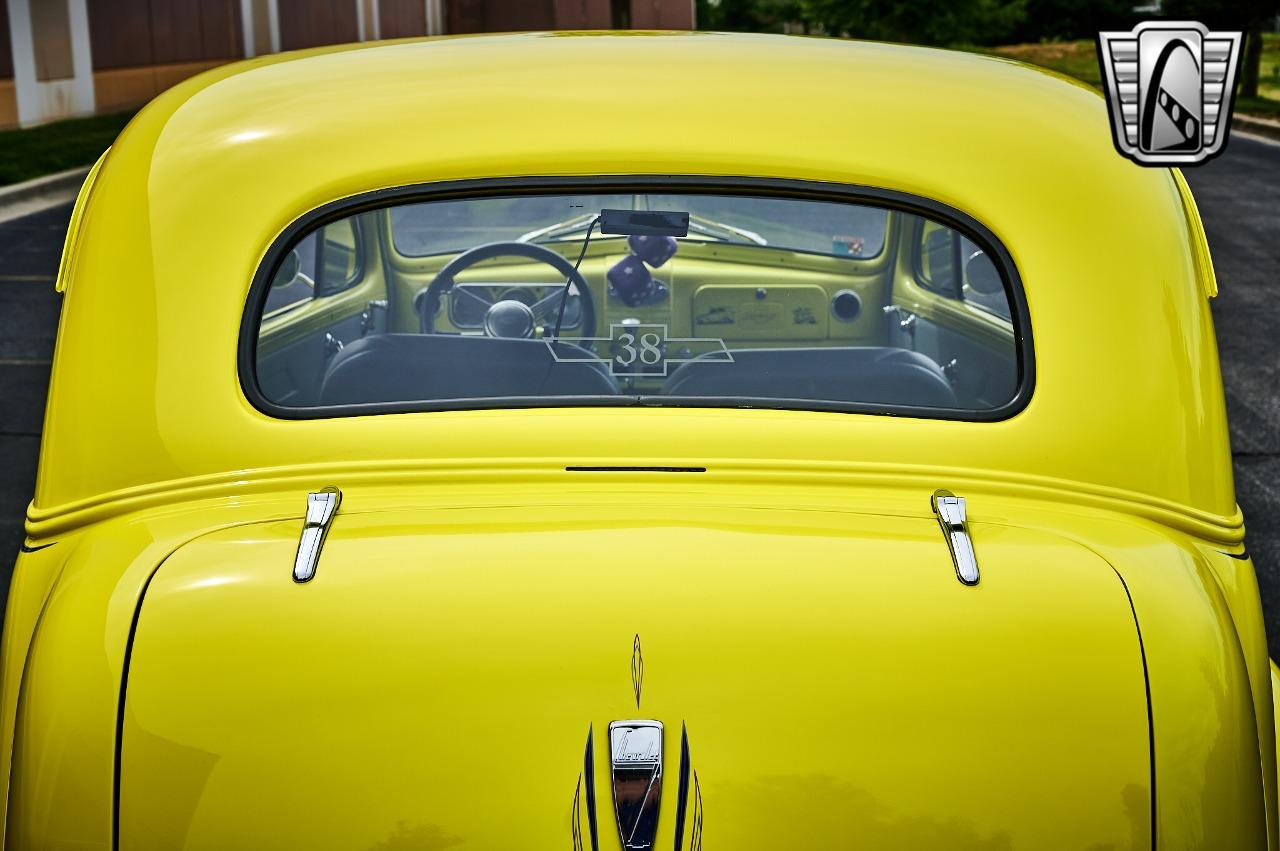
43, 193
1257, 126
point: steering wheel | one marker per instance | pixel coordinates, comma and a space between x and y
508, 317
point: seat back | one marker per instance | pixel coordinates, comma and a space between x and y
427, 367
865, 375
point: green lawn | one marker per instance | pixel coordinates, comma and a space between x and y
1269, 78
36, 151
1079, 59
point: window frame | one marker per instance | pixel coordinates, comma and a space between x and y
891, 200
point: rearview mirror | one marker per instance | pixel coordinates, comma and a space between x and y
644, 222
981, 274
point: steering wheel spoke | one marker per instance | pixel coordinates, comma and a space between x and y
470, 292
545, 309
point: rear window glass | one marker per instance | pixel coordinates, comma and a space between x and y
654, 297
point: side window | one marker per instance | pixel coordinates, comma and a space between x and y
295, 282
324, 263
941, 251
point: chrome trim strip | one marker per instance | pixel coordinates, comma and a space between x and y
321, 506
953, 518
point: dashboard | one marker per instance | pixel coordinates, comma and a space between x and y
780, 298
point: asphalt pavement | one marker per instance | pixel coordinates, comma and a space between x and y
1239, 199
29, 252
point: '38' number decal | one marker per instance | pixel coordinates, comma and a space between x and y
650, 351
639, 350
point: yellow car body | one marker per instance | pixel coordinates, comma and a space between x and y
499, 585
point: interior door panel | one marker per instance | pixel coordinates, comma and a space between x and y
939, 317
292, 373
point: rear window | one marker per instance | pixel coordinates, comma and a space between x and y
659, 297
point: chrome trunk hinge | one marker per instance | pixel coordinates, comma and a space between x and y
321, 506
955, 528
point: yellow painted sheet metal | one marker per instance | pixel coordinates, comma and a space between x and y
145, 402
828, 566
437, 679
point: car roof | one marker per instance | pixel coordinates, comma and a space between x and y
201, 183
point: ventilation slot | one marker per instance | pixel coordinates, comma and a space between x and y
635, 469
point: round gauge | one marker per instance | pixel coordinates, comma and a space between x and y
846, 306
468, 305
521, 294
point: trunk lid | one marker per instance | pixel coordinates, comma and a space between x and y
433, 686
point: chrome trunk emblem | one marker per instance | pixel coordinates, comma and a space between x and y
635, 748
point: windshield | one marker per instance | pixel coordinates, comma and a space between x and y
784, 223
579, 298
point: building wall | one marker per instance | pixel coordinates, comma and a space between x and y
63, 58
311, 23
661, 15
142, 47
474, 16
401, 18
49, 51
8, 96
51, 22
